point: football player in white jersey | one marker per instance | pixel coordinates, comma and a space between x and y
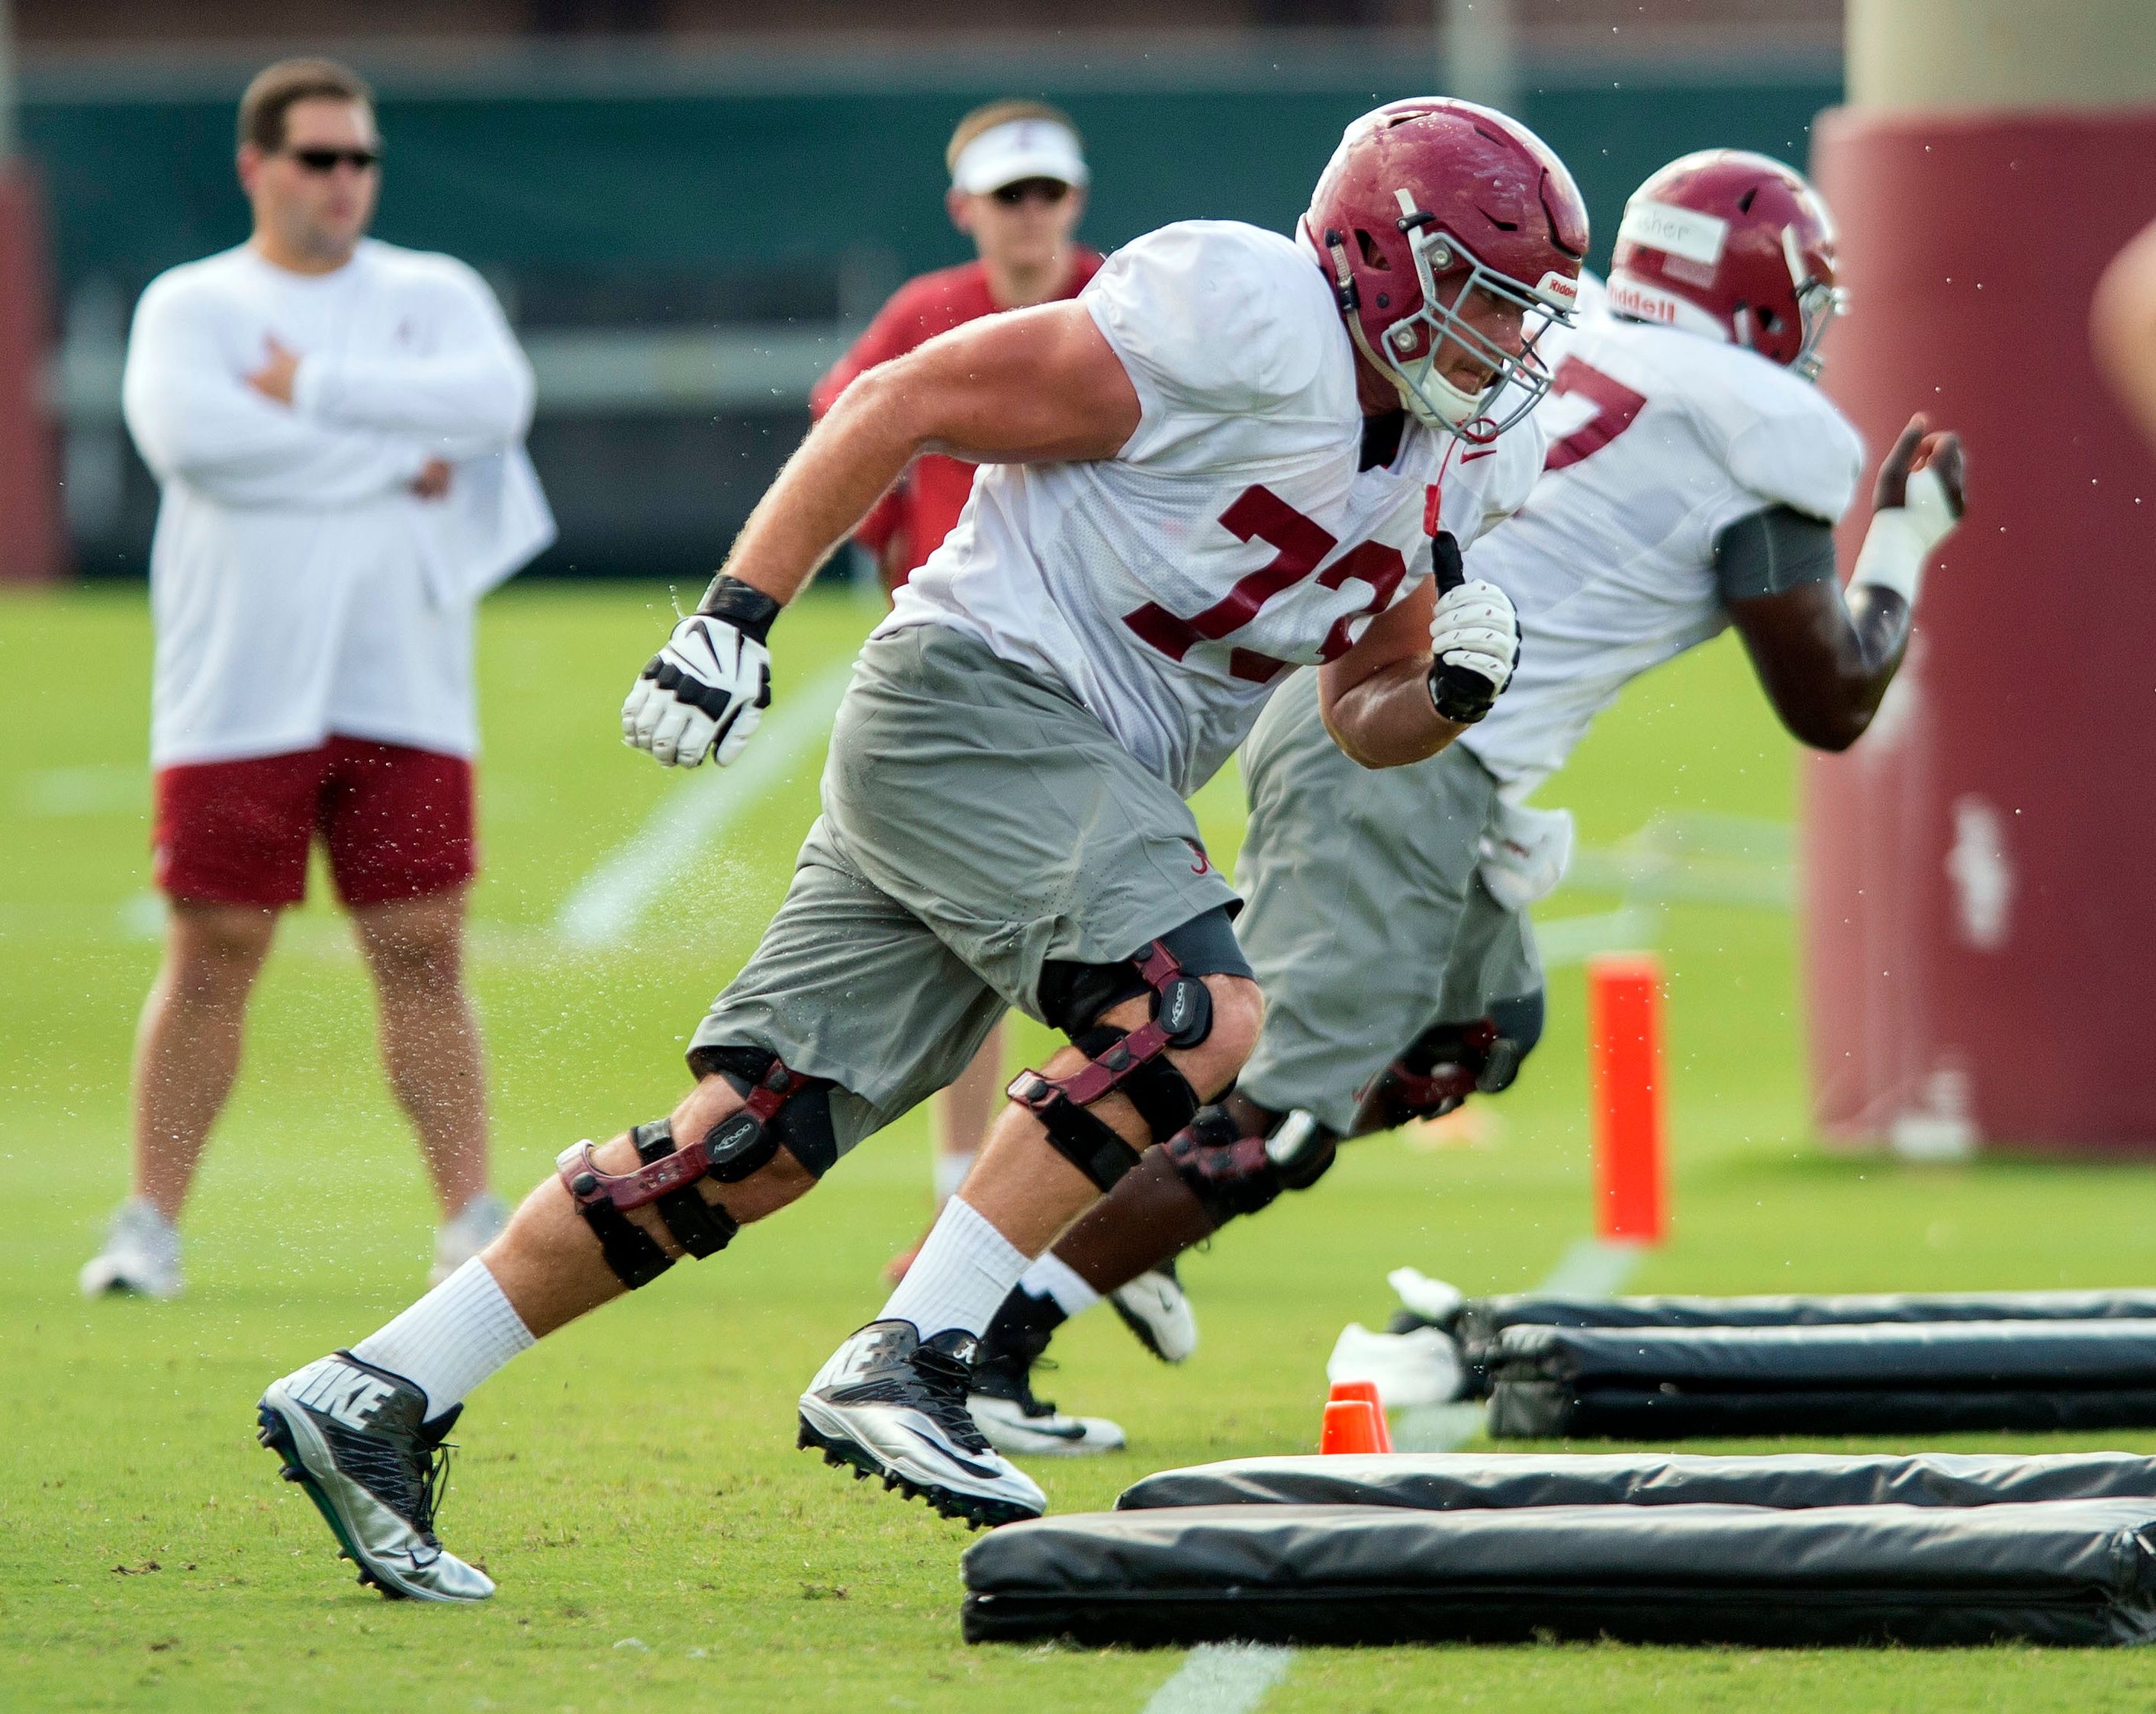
1694, 479
1234, 453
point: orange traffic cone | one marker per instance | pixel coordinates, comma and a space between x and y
1354, 1422
1367, 1391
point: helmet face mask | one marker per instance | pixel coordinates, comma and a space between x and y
1415, 347
1818, 303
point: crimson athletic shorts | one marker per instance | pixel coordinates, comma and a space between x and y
397, 821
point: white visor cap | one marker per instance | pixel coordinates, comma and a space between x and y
1016, 150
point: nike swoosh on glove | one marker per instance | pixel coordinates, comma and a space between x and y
703, 695
1474, 640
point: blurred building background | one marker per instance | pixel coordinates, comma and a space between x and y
688, 212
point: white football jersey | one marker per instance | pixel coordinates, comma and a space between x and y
1172, 588
1659, 441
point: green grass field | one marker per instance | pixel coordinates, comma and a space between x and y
633, 1484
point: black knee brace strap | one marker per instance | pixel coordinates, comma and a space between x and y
732, 1150
1232, 1173
1130, 1061
1449, 1062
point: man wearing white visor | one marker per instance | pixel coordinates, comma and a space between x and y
1017, 190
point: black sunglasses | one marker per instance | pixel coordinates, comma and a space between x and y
1050, 191
327, 160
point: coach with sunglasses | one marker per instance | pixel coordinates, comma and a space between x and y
337, 427
1017, 190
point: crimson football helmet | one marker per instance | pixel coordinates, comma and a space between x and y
1426, 204
1733, 245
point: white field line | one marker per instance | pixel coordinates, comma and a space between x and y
1233, 1678
1222, 1678
1594, 1267
607, 904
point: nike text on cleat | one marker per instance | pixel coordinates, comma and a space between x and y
1155, 1308
141, 1256
893, 1405
352, 1436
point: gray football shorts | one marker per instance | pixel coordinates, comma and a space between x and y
1367, 922
978, 823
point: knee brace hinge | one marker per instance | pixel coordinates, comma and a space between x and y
1131, 1062
731, 1150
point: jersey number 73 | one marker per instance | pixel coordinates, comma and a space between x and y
1259, 515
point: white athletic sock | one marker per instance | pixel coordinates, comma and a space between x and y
451, 1339
951, 1171
965, 1268
1053, 1277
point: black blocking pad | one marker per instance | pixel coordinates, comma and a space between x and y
1454, 1481
1670, 1382
2069, 1572
1479, 1320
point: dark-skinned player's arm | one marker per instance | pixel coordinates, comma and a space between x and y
1425, 671
1032, 386
1824, 657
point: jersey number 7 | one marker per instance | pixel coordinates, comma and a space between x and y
1615, 406
1259, 515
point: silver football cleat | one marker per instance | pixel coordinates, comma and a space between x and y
892, 1404
1155, 1308
353, 1436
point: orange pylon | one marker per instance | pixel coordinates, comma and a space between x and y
1354, 1421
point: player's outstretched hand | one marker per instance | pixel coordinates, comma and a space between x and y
1474, 643
1925, 474
703, 695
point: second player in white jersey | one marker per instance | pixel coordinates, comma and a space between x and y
1237, 534
1693, 478
1660, 442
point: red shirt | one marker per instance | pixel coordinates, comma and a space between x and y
909, 522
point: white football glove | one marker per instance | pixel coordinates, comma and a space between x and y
703, 695
1474, 640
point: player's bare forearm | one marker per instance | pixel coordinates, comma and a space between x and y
1824, 660
1031, 387
825, 489
1388, 719
1375, 699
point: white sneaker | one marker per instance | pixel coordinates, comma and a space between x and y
1043, 1431
477, 1225
1409, 1370
892, 1404
1155, 1308
142, 1255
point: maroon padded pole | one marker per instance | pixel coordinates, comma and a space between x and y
1981, 869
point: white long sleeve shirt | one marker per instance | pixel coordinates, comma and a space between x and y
298, 585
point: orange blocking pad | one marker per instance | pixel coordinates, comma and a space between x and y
1624, 1037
